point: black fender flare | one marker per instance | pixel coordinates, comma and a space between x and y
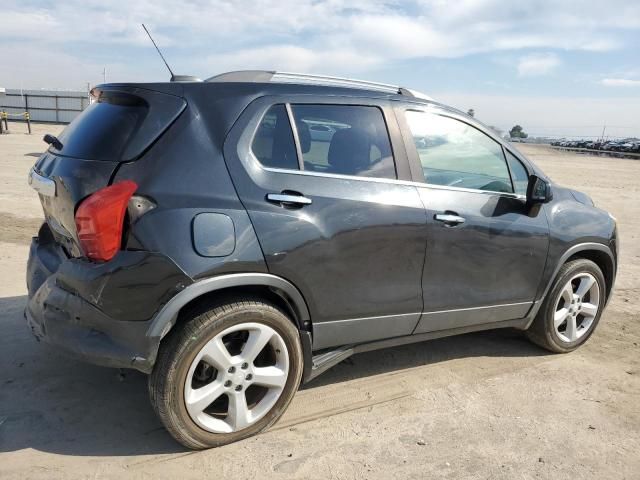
166, 318
570, 252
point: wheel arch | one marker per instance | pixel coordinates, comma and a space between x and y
276, 289
598, 253
603, 261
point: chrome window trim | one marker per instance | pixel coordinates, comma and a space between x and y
248, 135
385, 180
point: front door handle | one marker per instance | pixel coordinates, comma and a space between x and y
449, 219
288, 199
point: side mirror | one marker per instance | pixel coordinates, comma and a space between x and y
538, 190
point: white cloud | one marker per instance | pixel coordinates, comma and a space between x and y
290, 58
537, 64
620, 82
334, 36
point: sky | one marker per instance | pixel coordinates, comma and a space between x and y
555, 67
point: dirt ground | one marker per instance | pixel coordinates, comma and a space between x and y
487, 405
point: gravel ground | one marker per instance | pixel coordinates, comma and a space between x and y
486, 405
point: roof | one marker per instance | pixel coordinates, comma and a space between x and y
267, 76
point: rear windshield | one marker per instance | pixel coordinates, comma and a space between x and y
119, 126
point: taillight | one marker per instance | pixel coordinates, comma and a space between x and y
100, 220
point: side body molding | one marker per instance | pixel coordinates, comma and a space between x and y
166, 318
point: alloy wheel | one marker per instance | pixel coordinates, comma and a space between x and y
236, 378
576, 307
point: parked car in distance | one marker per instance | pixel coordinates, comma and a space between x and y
630, 145
237, 237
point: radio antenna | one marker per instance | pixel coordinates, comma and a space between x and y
159, 52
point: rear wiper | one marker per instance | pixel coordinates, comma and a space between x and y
53, 141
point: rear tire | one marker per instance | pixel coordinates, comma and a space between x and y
245, 356
572, 308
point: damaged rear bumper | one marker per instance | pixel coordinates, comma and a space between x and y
99, 312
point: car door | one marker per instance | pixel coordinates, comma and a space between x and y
486, 248
323, 184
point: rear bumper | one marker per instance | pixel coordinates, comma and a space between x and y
99, 312
71, 324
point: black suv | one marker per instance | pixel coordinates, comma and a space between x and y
236, 237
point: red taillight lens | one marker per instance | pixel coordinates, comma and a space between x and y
100, 219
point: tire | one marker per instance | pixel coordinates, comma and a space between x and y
543, 331
190, 361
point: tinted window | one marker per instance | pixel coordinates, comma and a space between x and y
519, 174
344, 139
273, 143
455, 154
104, 129
120, 125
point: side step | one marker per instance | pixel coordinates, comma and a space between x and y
317, 364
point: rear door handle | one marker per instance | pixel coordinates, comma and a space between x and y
289, 199
449, 218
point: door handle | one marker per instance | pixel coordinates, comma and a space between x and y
288, 199
449, 219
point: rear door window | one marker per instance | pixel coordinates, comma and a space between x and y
453, 153
344, 139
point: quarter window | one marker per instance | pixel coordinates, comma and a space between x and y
453, 153
519, 174
273, 144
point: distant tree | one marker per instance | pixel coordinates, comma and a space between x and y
517, 132
471, 112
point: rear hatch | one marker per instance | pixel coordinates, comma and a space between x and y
120, 126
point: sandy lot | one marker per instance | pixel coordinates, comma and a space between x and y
486, 405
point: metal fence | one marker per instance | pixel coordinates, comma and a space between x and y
44, 105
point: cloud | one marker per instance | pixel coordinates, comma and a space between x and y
290, 58
620, 82
537, 64
334, 36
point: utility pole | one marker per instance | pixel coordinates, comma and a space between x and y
104, 74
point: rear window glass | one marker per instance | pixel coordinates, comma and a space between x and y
121, 125
104, 129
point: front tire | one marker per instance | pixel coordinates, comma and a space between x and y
228, 372
572, 309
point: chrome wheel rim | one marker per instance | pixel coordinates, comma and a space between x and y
236, 378
576, 307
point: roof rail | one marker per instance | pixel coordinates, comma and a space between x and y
266, 76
